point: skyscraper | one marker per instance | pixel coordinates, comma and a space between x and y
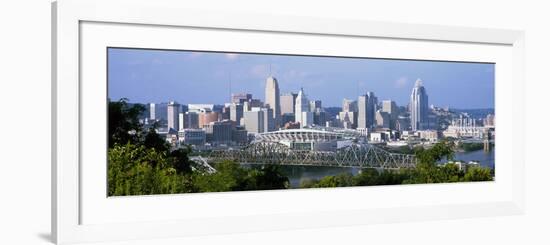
314, 105
349, 105
207, 117
372, 108
236, 112
152, 111
390, 107
348, 115
190, 120
239, 98
269, 120
254, 121
288, 102
181, 121
419, 107
273, 99
302, 109
366, 110
382, 119
173, 111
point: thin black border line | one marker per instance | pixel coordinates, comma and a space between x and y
107, 122
295, 55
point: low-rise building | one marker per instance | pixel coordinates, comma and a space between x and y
377, 137
192, 136
429, 135
219, 132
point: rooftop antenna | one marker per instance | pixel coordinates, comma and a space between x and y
230, 86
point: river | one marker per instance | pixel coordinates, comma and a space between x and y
486, 159
297, 174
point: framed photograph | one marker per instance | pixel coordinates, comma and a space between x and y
168, 124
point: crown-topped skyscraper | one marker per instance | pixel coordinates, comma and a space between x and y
302, 113
419, 107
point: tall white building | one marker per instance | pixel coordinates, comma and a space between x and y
419, 107
181, 121
303, 115
152, 114
173, 111
348, 115
366, 110
288, 103
273, 99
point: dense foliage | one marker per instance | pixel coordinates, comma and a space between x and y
137, 170
124, 123
230, 176
140, 162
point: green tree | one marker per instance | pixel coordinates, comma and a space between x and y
478, 174
327, 181
229, 176
153, 140
344, 179
123, 120
368, 176
452, 173
429, 157
179, 159
427, 170
392, 177
136, 170
269, 177
308, 183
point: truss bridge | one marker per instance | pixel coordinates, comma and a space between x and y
354, 155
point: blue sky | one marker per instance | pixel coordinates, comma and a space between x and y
203, 77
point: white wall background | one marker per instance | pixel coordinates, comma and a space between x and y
25, 122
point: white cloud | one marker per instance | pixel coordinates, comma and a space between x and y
195, 55
401, 82
261, 70
231, 56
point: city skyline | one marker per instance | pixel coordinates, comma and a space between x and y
145, 76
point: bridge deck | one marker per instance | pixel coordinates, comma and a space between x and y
357, 155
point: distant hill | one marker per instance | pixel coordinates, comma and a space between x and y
475, 113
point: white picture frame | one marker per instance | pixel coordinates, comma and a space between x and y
68, 197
